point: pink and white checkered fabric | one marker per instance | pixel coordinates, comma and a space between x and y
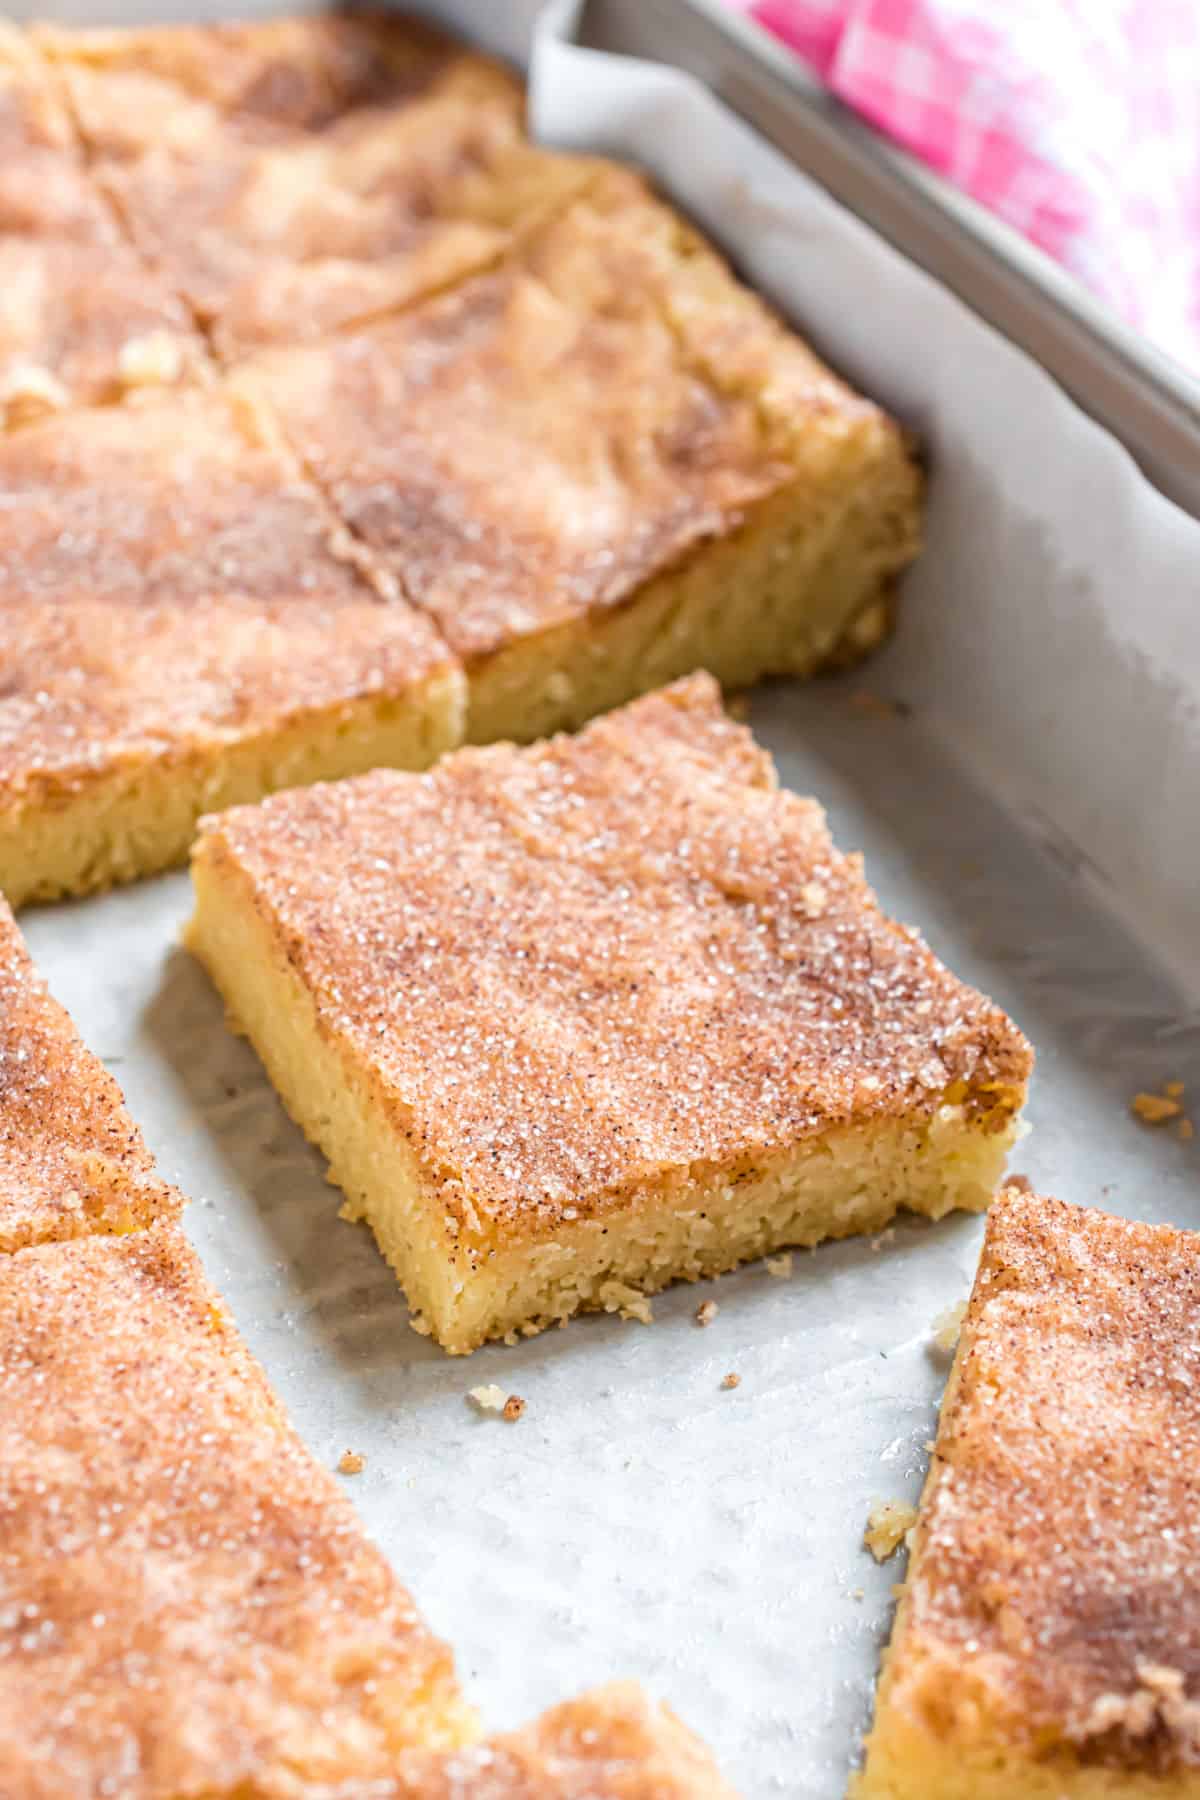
1077, 121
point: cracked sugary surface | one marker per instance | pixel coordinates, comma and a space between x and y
292, 174
123, 529
71, 1158
553, 433
1054, 1599
607, 959
187, 1603
72, 294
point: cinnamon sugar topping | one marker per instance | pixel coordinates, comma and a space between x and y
71, 1158
611, 1744
138, 521
1056, 1571
189, 1603
589, 964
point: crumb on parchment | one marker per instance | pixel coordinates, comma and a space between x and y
731, 1381
706, 1312
1156, 1109
493, 1399
351, 1463
888, 1524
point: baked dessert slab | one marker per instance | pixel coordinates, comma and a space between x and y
82, 320
72, 1160
188, 1605
604, 464
1047, 1646
184, 625
574, 1022
293, 176
610, 1744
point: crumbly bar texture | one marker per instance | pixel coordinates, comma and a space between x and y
611, 1744
293, 176
184, 626
82, 319
603, 464
575, 1021
72, 1160
188, 1605
1047, 1645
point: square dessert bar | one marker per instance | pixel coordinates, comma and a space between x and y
72, 1160
183, 626
294, 175
610, 1744
603, 464
187, 1603
82, 320
575, 1021
1047, 1645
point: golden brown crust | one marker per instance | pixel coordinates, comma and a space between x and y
71, 1158
169, 582
1052, 1603
610, 1744
297, 174
187, 1603
608, 961
550, 435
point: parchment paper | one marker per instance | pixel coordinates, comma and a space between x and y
1036, 815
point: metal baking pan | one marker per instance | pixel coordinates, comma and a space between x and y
1150, 402
1021, 768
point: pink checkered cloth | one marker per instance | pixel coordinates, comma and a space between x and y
1077, 121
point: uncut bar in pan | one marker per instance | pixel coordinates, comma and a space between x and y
292, 175
604, 464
